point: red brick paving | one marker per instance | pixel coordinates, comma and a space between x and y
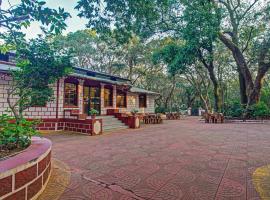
184, 159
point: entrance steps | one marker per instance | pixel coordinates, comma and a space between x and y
111, 123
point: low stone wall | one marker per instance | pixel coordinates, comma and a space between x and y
25, 175
87, 126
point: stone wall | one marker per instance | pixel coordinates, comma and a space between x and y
25, 175
133, 103
46, 112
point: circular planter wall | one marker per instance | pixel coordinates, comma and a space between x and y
25, 175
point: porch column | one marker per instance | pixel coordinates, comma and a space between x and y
80, 95
114, 96
102, 106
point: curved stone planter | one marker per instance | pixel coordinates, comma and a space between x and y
25, 175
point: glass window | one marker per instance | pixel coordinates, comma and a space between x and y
71, 94
142, 101
121, 99
108, 97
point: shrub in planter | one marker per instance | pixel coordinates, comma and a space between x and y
15, 135
134, 112
93, 112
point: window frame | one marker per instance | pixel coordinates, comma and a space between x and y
145, 101
110, 100
118, 93
77, 96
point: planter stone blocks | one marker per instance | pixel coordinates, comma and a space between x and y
25, 175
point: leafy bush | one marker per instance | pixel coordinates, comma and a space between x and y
93, 112
160, 109
16, 135
259, 110
134, 111
235, 109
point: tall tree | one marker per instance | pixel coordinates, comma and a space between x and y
39, 66
247, 25
195, 22
39, 63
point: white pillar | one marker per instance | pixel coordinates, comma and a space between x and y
80, 95
114, 96
102, 106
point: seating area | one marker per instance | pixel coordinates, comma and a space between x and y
152, 119
213, 117
173, 116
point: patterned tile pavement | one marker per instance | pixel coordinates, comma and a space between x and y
184, 159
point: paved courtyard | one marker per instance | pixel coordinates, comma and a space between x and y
184, 159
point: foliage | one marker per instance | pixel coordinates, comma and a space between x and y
15, 135
176, 56
235, 110
229, 38
39, 66
89, 50
260, 110
20, 15
93, 112
134, 111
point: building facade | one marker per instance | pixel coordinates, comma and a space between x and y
79, 92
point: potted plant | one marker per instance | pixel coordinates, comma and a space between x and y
93, 112
134, 112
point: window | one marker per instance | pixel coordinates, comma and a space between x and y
108, 97
142, 100
71, 96
121, 99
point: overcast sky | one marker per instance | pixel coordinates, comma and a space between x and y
74, 23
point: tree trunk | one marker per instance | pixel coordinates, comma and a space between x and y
217, 93
256, 92
243, 93
244, 72
217, 89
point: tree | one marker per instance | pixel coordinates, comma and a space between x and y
247, 27
39, 63
39, 66
22, 14
196, 23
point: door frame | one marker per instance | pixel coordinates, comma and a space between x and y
89, 98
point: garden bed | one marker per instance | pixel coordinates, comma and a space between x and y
9, 153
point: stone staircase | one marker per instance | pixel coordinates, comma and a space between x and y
111, 123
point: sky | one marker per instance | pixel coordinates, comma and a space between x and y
73, 24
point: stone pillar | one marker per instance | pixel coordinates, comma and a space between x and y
102, 106
80, 96
114, 96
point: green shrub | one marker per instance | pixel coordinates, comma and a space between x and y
259, 110
161, 109
93, 112
16, 135
134, 111
235, 109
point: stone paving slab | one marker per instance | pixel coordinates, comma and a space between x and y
183, 159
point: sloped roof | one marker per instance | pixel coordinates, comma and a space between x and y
89, 74
140, 90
